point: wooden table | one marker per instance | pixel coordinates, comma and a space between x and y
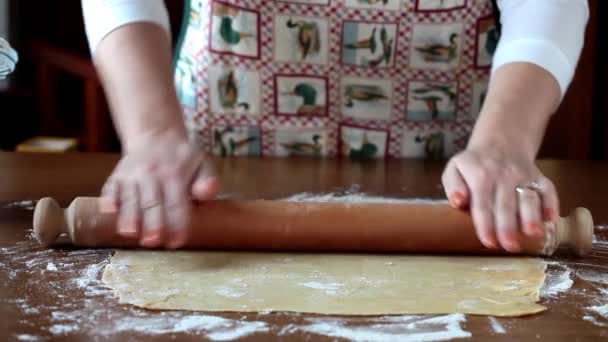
56, 293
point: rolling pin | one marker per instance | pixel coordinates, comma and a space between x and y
311, 226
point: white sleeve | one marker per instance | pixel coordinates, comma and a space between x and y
548, 33
101, 17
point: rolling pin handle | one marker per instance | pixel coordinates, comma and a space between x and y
49, 221
580, 232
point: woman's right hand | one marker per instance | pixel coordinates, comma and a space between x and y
152, 188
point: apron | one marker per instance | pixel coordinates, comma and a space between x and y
360, 79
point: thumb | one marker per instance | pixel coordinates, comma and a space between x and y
205, 185
456, 189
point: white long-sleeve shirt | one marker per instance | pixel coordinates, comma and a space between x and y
547, 33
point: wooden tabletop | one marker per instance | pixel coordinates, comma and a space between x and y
57, 293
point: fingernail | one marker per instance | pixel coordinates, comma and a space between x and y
206, 188
512, 247
534, 228
151, 239
457, 200
549, 215
176, 240
107, 205
129, 229
174, 244
490, 243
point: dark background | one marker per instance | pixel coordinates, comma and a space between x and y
55, 90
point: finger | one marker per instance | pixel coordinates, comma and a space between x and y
455, 186
177, 205
530, 210
506, 218
205, 189
549, 199
129, 214
153, 212
108, 202
205, 185
482, 202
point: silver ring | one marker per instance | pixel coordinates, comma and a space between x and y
534, 186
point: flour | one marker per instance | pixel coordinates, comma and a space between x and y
61, 329
69, 314
23, 205
498, 268
598, 312
601, 227
358, 198
496, 326
593, 276
332, 289
595, 321
212, 327
396, 328
602, 310
599, 242
81, 273
229, 292
556, 282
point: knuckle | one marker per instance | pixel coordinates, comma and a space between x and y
529, 196
548, 186
482, 220
507, 208
152, 222
507, 229
482, 178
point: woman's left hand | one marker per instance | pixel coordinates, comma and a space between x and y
508, 197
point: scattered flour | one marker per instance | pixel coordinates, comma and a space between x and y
61, 329
556, 282
599, 242
331, 289
229, 292
23, 205
81, 271
498, 268
396, 328
601, 310
213, 327
496, 326
595, 321
593, 276
598, 312
359, 198
601, 227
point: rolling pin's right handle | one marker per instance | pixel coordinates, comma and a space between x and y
574, 231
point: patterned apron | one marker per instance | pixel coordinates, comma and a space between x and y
354, 78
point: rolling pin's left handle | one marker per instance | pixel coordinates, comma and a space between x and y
49, 221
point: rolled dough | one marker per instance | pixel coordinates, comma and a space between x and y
327, 283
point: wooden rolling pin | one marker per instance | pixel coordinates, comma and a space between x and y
311, 226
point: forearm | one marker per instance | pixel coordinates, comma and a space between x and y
135, 66
520, 101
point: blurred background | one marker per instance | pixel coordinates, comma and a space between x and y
55, 91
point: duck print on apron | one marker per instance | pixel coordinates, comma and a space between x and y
360, 79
